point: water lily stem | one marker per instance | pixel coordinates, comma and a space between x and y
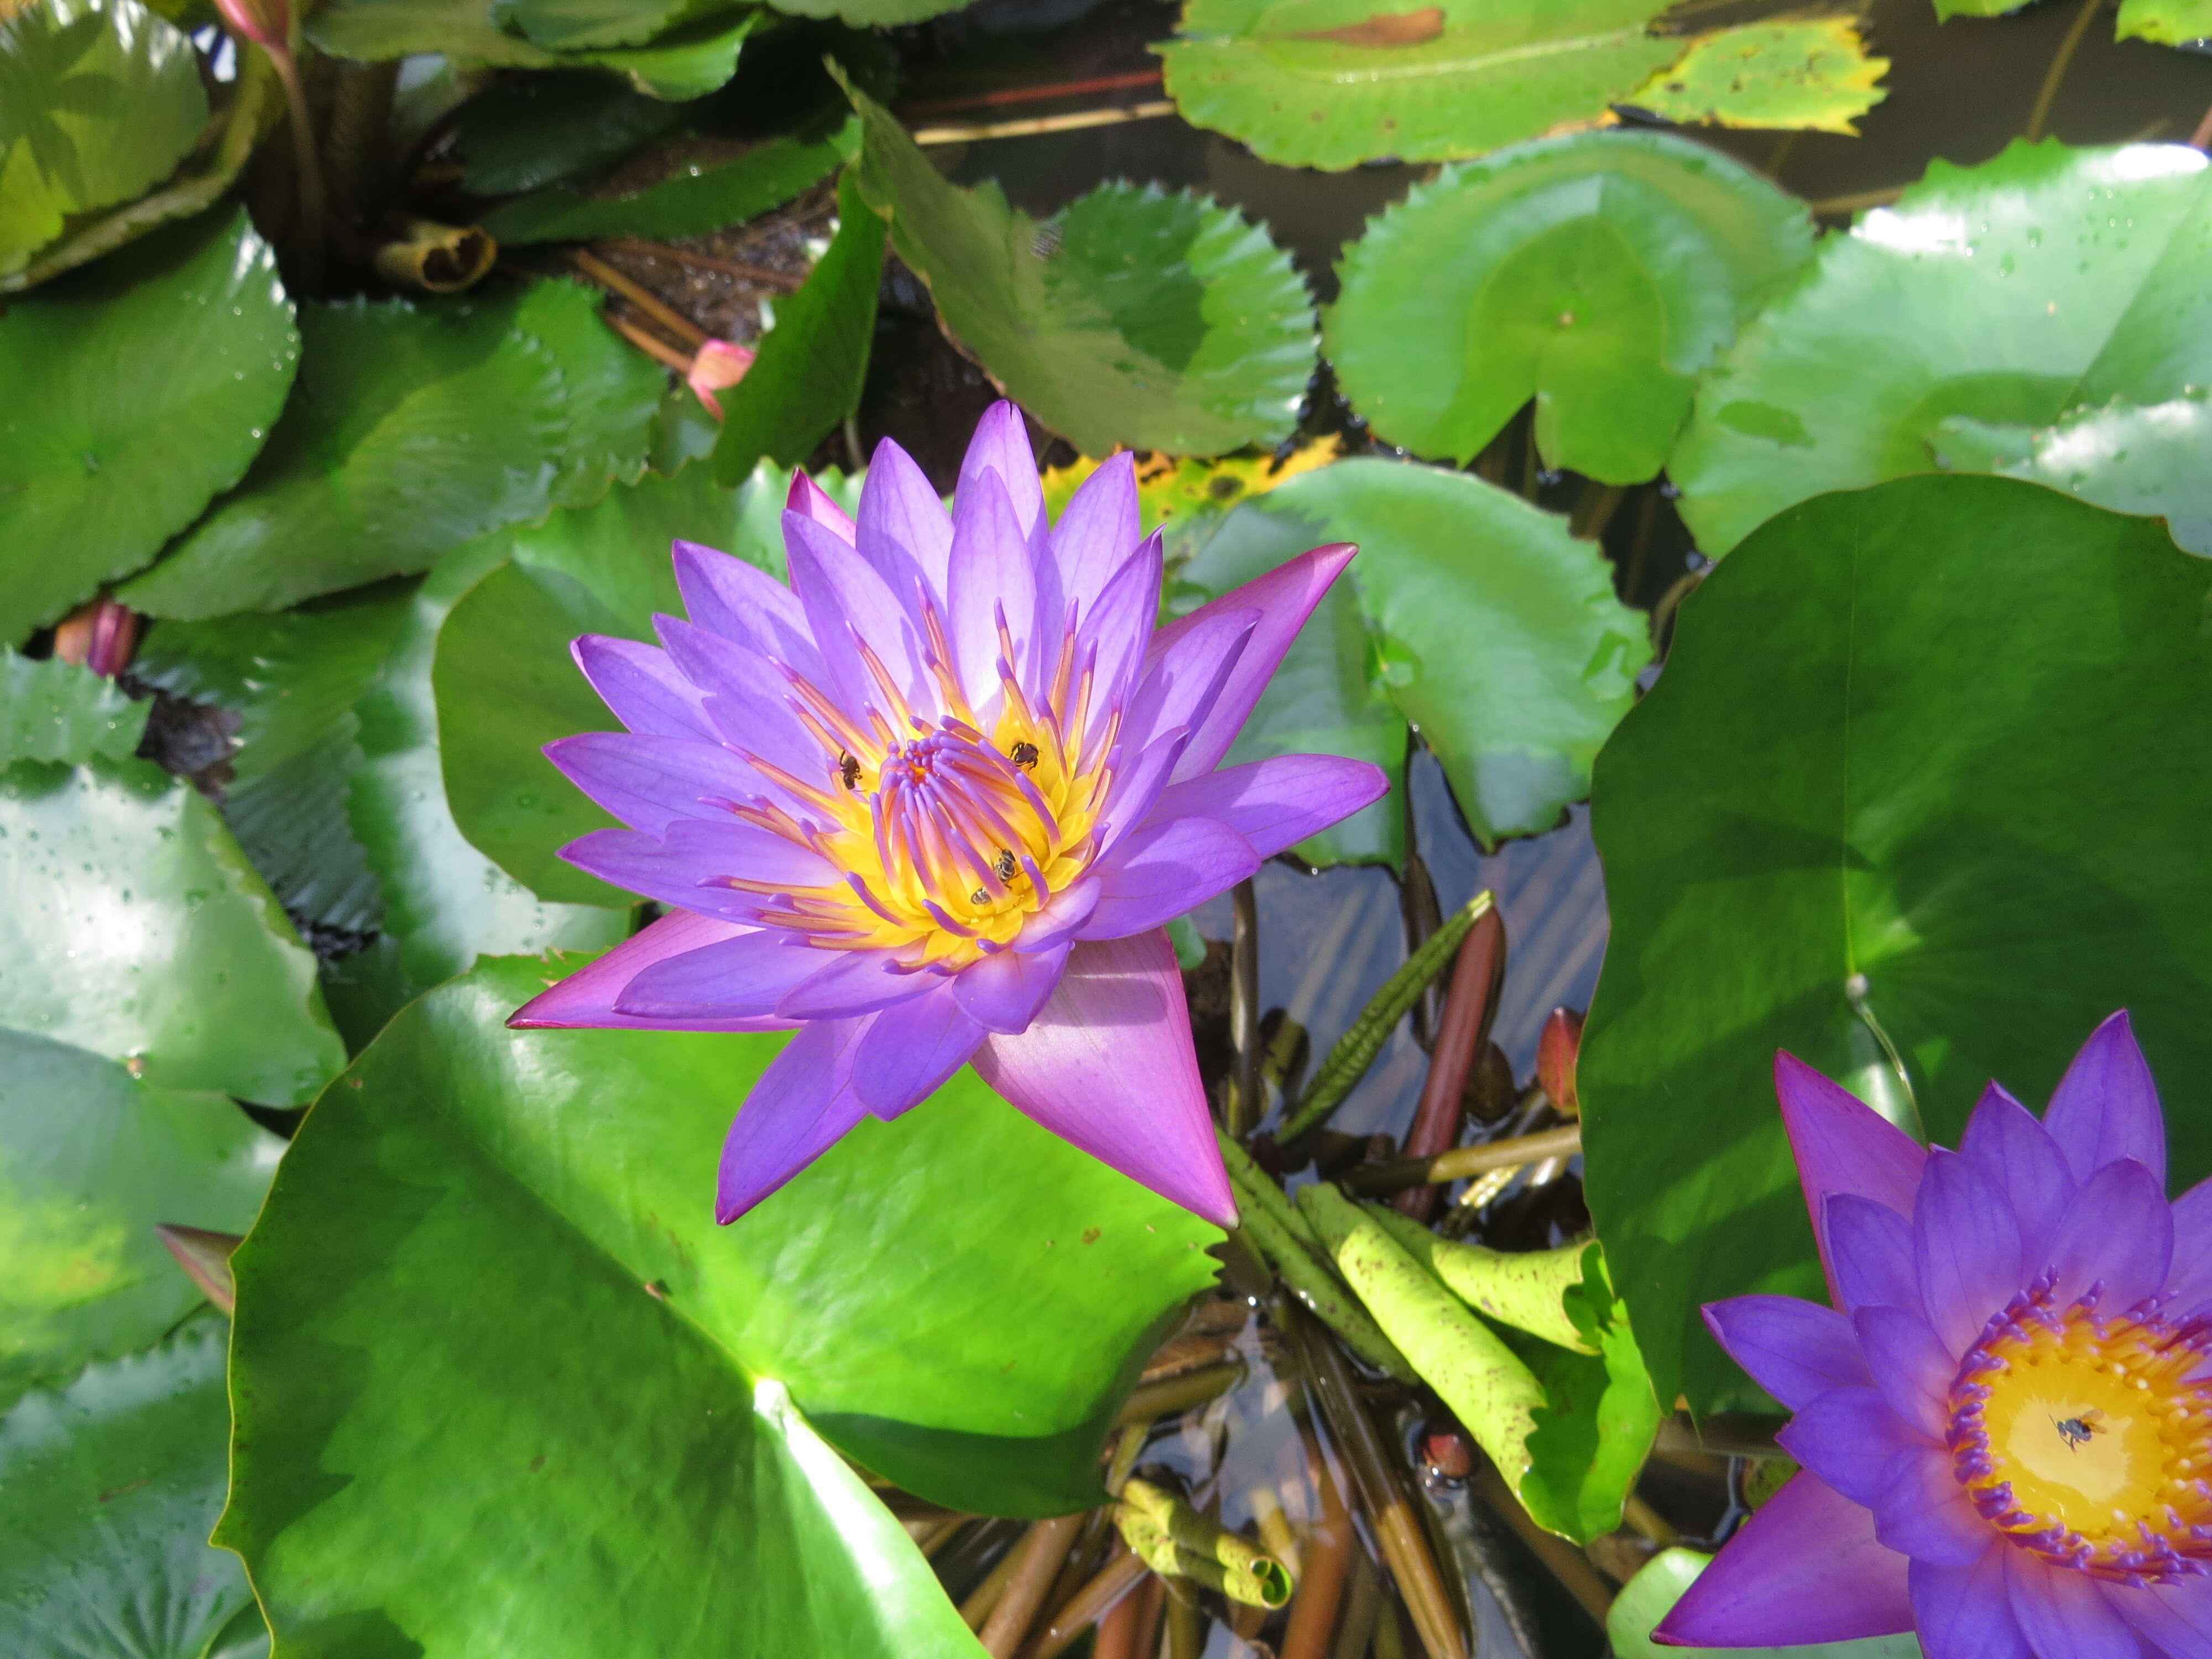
2060, 60
1363, 1601
1371, 1179
1480, 968
650, 343
1041, 1552
1185, 1621
308, 163
1108, 1590
1243, 1104
984, 1598
1327, 1558
1180, 1392
640, 296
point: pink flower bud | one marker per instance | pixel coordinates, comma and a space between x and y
266, 22
1556, 1052
100, 635
718, 364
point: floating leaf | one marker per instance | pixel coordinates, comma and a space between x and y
1597, 273
52, 710
2044, 282
695, 202
1812, 74
1469, 613
113, 1486
688, 61
91, 1159
384, 461
1599, 1417
98, 100
1947, 10
575, 25
1132, 317
869, 14
1924, 733
142, 388
1650, 1595
526, 134
2167, 22
812, 363
1185, 492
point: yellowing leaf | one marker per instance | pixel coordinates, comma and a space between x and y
1183, 486
1815, 74
2168, 22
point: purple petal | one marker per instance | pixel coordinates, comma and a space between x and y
911, 1048
1133, 788
745, 974
853, 982
650, 783
2119, 1230
1098, 533
1796, 1351
2175, 1619
1001, 446
2061, 1614
747, 604
1277, 803
1842, 1145
2106, 1106
685, 867
1107, 1065
801, 1106
644, 688
902, 523
1003, 992
2017, 1154
847, 602
992, 575
810, 501
1285, 597
586, 997
1163, 870
1120, 623
748, 699
1967, 1248
1805, 1568
1182, 681
1068, 909
1963, 1611
2189, 1278
1921, 1510
1910, 1367
1848, 1436
1871, 1248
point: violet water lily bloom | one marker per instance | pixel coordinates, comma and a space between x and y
2005, 1421
933, 802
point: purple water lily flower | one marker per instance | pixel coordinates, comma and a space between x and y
2005, 1421
933, 802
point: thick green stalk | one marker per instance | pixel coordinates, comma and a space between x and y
1525, 1289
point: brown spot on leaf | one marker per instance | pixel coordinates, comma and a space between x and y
1394, 29
1091, 1235
129, 1485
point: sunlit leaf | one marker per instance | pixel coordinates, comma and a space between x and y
1133, 317
1812, 74
1595, 1428
2168, 22
1183, 491
1597, 274
2046, 281
51, 710
138, 389
1925, 734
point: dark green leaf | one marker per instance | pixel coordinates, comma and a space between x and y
1469, 613
2046, 281
113, 1486
526, 134
868, 13
692, 203
135, 929
575, 25
90, 1161
1925, 733
690, 61
52, 710
1132, 317
1597, 274
142, 387
385, 460
808, 375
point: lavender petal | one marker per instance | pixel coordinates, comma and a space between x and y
646, 692
2061, 1614
1967, 1248
1848, 1436
1796, 1351
2106, 1105
1163, 870
903, 531
1842, 1145
1277, 803
585, 998
2119, 1231
910, 1049
744, 973
992, 575
1963, 1611
650, 783
745, 603
1097, 533
1003, 992
801, 1106
1913, 1369
1870, 1246
1921, 1510
2018, 1156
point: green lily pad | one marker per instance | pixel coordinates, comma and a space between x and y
384, 461
135, 929
2044, 282
692, 203
575, 25
1132, 317
1597, 273
1600, 1415
294, 680
814, 361
1468, 613
2167, 22
1924, 733
1947, 10
91, 1160
98, 100
113, 1486
1813, 75
51, 710
1650, 1595
524, 134
690, 61
870, 14
143, 386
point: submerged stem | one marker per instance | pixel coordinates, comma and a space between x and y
1243, 1111
2057, 74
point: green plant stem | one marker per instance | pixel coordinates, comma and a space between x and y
1242, 1112
313, 214
1180, 1392
1369, 1180
2060, 60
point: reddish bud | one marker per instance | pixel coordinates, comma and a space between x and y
101, 636
1556, 1052
266, 22
1449, 1453
718, 365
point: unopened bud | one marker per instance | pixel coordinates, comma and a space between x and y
101, 636
1556, 1051
265, 23
718, 365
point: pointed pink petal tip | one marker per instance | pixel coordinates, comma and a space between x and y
584, 1000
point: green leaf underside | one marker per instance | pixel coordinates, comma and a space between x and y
690, 61
1813, 75
143, 386
1469, 613
2007, 857
1595, 1430
90, 1159
1499, 71
2044, 282
2167, 22
384, 462
1650, 1595
581, 1165
692, 203
113, 1486
99, 100
1133, 317
52, 710
139, 932
813, 363
1597, 274
294, 679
